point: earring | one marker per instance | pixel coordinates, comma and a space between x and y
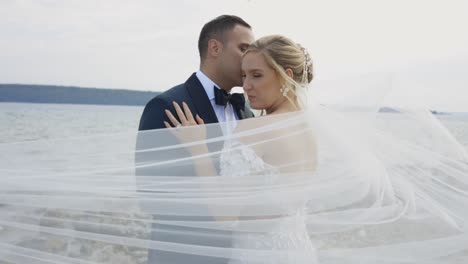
284, 89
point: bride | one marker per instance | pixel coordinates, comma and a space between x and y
275, 70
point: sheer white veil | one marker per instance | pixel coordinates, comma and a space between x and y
378, 182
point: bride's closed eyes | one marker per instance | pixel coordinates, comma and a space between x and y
253, 74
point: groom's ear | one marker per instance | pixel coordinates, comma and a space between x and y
214, 47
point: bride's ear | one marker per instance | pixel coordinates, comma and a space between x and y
289, 73
214, 47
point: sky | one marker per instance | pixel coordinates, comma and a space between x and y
418, 48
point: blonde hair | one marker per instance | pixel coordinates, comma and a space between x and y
281, 53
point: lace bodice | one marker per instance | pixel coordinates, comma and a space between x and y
240, 160
288, 235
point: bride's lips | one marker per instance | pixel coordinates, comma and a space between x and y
251, 97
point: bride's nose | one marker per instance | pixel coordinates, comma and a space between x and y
247, 85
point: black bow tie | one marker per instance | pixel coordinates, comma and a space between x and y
222, 98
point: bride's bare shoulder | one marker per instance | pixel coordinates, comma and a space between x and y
263, 122
289, 130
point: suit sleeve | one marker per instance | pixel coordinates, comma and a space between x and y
154, 115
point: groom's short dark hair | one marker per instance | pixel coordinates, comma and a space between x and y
216, 29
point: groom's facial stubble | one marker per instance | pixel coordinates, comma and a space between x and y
235, 44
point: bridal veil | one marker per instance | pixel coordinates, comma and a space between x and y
385, 184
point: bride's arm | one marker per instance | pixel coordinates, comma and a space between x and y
193, 131
202, 160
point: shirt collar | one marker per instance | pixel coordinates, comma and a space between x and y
207, 84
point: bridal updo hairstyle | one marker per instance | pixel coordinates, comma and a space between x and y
281, 53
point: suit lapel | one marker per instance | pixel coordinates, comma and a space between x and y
200, 100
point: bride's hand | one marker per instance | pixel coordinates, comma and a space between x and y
186, 119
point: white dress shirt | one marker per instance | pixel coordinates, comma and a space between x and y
222, 113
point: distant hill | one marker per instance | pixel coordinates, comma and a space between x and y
386, 109
392, 110
72, 95
383, 109
439, 113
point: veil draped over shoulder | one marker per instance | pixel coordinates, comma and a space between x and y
375, 184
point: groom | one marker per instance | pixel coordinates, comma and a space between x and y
221, 44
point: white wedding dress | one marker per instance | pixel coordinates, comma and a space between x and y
288, 234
